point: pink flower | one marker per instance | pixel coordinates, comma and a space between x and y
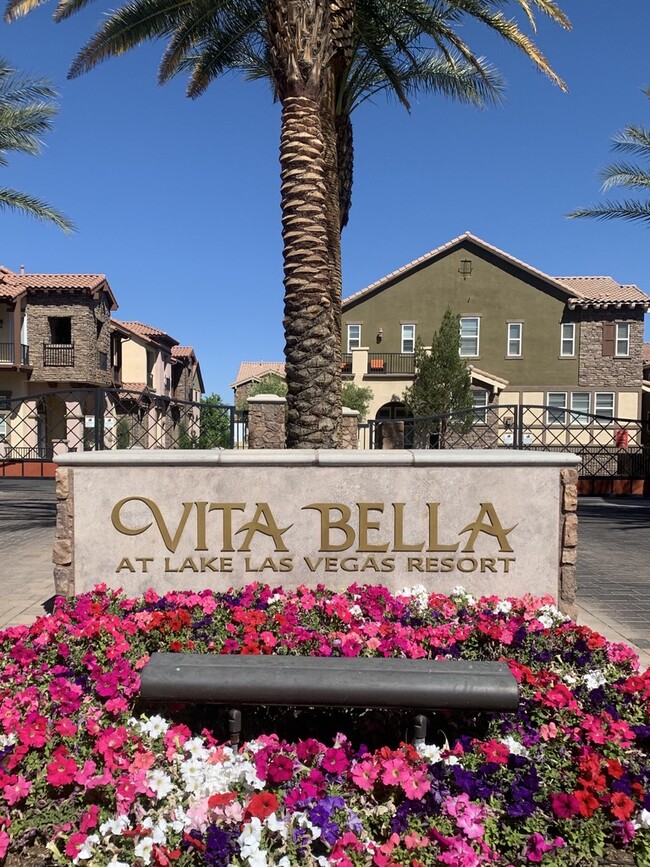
65, 727
89, 818
564, 805
280, 769
335, 761
395, 771
537, 847
4, 843
416, 785
74, 844
61, 770
15, 792
364, 774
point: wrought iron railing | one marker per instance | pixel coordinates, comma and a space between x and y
391, 363
58, 355
7, 353
346, 363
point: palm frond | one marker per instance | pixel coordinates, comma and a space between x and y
624, 175
628, 209
26, 204
633, 140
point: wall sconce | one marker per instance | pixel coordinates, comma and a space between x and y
380, 334
465, 269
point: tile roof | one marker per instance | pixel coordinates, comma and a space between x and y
581, 290
148, 332
256, 370
603, 289
182, 351
646, 353
13, 285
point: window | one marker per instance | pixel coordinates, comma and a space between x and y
3, 424
354, 337
580, 402
568, 339
469, 334
622, 338
408, 339
480, 402
60, 330
604, 405
514, 339
556, 402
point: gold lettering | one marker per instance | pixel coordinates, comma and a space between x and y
168, 566
125, 563
399, 543
349, 564
201, 544
145, 562
388, 564
327, 524
227, 509
269, 528
365, 526
171, 542
414, 563
311, 565
331, 564
434, 545
494, 528
447, 564
487, 563
506, 563
472, 564
206, 564
188, 563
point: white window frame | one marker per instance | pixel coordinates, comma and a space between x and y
406, 339
518, 340
356, 340
571, 326
475, 337
622, 338
580, 417
599, 411
480, 409
560, 419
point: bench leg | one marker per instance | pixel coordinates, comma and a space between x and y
420, 724
234, 726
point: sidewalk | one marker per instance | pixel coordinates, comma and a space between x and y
614, 540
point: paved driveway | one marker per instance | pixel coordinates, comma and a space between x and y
613, 560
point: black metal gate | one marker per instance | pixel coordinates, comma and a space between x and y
40, 427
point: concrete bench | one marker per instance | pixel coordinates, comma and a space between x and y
311, 681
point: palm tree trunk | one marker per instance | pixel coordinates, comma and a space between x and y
311, 350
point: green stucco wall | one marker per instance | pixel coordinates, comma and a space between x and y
496, 292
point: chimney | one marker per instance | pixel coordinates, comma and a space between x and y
22, 270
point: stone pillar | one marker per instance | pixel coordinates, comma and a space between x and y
350, 428
62, 556
391, 434
266, 422
568, 541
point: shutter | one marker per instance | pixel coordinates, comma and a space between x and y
609, 339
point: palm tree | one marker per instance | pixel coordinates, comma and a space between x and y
309, 48
634, 141
26, 111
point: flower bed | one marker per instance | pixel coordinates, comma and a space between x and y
85, 771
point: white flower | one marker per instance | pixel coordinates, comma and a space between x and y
546, 620
115, 863
284, 862
594, 679
160, 783
86, 850
158, 831
142, 849
196, 748
458, 590
514, 746
302, 819
258, 858
322, 861
644, 818
355, 611
114, 826
250, 775
431, 753
452, 760
570, 679
504, 606
192, 773
156, 726
7, 740
276, 825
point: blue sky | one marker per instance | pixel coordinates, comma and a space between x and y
177, 201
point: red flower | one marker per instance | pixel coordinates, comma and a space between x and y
622, 806
565, 806
61, 770
588, 804
280, 769
221, 800
262, 804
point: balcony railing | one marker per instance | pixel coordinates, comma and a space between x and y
346, 363
58, 355
391, 363
7, 353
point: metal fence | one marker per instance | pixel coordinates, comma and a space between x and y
608, 447
42, 426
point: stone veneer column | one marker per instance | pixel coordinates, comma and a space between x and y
63, 545
568, 541
350, 428
266, 422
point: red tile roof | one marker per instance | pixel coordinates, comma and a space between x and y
603, 289
256, 370
147, 332
646, 353
13, 285
182, 351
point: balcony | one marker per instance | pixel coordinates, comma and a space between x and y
7, 354
391, 364
58, 355
346, 363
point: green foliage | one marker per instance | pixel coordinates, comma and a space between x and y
633, 141
355, 397
26, 111
442, 381
269, 384
122, 434
215, 424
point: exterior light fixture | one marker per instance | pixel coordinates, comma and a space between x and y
380, 334
465, 269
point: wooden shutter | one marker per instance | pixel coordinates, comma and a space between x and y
609, 339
